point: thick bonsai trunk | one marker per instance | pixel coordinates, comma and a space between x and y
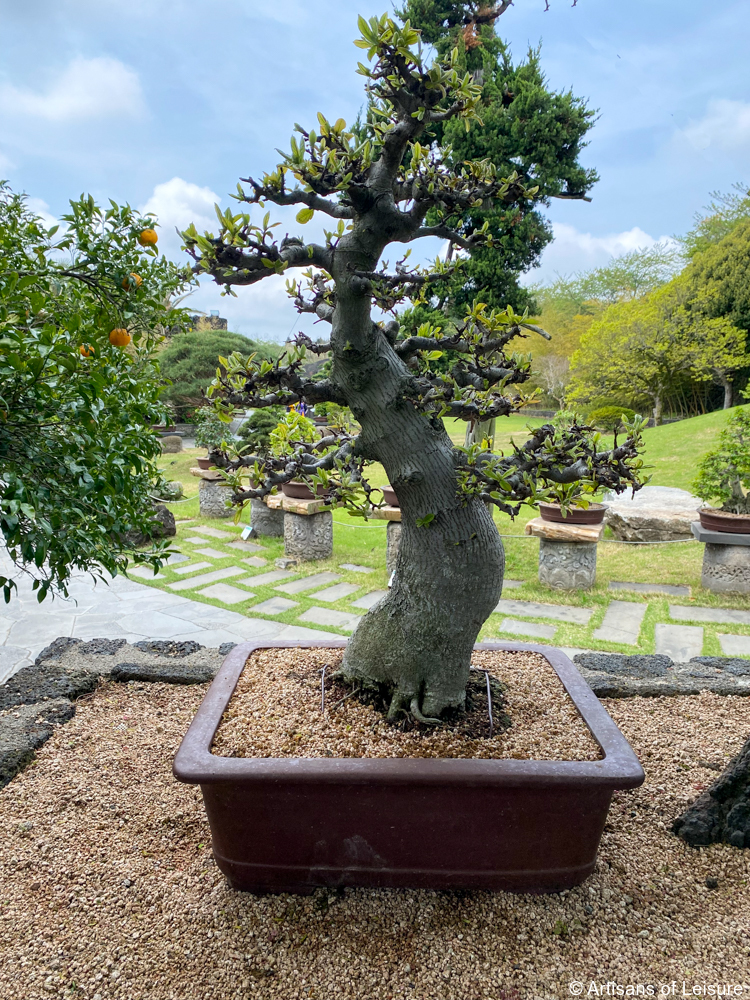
417, 641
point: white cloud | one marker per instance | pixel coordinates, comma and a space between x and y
573, 251
176, 204
87, 88
39, 207
725, 126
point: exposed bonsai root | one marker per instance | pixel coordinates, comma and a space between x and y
415, 711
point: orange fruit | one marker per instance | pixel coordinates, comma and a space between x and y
148, 237
132, 280
119, 337
86, 351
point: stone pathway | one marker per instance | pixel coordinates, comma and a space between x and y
124, 609
622, 622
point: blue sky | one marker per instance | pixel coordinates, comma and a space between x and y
166, 103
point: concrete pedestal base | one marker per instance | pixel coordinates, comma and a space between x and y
392, 544
726, 569
212, 498
567, 565
266, 521
308, 536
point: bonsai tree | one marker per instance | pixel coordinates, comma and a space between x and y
724, 474
415, 644
79, 389
210, 431
255, 432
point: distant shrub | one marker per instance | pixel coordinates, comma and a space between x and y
255, 433
209, 429
609, 418
190, 360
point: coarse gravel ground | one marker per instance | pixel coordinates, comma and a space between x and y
109, 891
275, 711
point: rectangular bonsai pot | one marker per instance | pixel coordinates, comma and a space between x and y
294, 824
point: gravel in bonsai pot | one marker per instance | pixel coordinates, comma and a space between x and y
390, 181
724, 475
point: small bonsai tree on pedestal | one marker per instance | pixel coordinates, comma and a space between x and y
724, 474
378, 183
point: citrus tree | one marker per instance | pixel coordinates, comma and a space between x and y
378, 189
79, 390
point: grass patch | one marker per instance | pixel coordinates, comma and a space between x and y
672, 451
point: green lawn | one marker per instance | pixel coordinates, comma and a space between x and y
672, 452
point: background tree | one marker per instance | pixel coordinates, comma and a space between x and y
415, 644
725, 211
523, 126
189, 360
77, 454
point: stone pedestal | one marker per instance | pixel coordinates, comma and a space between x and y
213, 495
726, 561
392, 544
266, 521
308, 536
567, 553
567, 565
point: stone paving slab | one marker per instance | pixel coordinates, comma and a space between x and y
177, 557
308, 583
558, 612
354, 568
145, 573
263, 579
735, 645
244, 547
680, 642
275, 606
723, 616
255, 561
369, 600
329, 616
226, 593
650, 588
154, 624
197, 581
212, 532
193, 567
534, 629
335, 593
210, 553
622, 622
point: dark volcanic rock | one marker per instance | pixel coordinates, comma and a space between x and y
163, 672
639, 666
226, 647
721, 814
56, 649
162, 526
45, 681
732, 665
25, 729
166, 647
94, 647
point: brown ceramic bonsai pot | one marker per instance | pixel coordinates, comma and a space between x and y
204, 463
293, 825
713, 519
593, 514
297, 490
389, 495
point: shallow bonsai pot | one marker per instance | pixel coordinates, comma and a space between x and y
721, 520
204, 463
593, 514
296, 490
389, 495
295, 824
